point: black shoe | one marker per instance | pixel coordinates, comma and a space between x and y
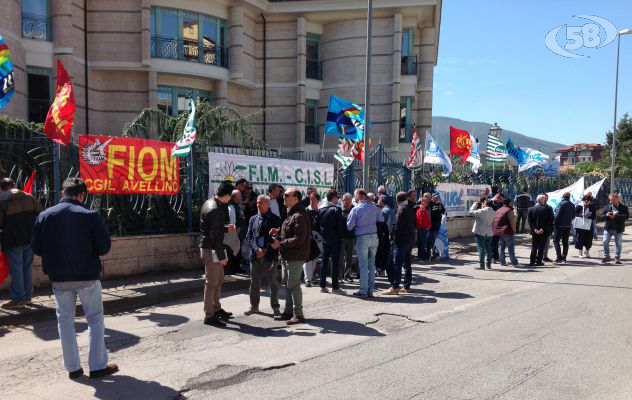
547, 259
559, 261
283, 317
360, 295
214, 321
223, 314
540, 264
108, 370
606, 259
369, 295
75, 374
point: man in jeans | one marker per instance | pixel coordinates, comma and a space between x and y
436, 210
363, 220
18, 211
347, 242
332, 225
262, 255
70, 238
562, 223
405, 233
294, 243
214, 223
504, 226
615, 215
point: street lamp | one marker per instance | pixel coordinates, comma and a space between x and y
616, 89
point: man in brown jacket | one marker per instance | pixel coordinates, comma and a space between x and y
18, 211
294, 244
504, 226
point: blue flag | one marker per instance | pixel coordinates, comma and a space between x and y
434, 154
515, 152
345, 119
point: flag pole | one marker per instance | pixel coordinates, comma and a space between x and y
367, 95
56, 173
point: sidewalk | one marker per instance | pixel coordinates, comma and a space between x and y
126, 294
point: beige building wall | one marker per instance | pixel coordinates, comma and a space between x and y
124, 78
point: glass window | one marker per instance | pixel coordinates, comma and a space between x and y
172, 100
405, 122
35, 19
190, 36
311, 122
408, 42
314, 65
39, 93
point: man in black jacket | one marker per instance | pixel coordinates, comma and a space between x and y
436, 210
213, 223
522, 203
541, 223
405, 234
70, 238
262, 255
615, 215
332, 226
564, 216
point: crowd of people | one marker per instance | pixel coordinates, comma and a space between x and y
281, 237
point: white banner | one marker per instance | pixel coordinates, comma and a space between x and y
576, 190
457, 198
594, 188
262, 171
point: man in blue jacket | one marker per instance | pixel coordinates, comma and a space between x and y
262, 255
70, 238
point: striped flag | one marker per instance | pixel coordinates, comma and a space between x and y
345, 152
183, 146
496, 150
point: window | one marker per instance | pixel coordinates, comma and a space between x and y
405, 123
409, 59
185, 35
314, 65
39, 93
36, 19
311, 122
172, 100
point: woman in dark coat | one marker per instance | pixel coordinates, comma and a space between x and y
585, 236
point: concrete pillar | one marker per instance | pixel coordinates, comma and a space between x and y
397, 60
301, 63
423, 99
63, 48
146, 33
152, 85
236, 43
221, 93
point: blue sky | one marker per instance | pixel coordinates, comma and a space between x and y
494, 66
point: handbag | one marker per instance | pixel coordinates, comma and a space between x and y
582, 223
314, 250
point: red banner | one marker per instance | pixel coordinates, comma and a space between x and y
61, 114
118, 165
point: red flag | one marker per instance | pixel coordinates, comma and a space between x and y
358, 151
460, 143
61, 114
28, 186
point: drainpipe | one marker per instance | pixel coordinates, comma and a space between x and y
264, 77
85, 64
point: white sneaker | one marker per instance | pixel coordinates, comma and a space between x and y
581, 254
587, 253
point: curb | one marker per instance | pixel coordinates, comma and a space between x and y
115, 305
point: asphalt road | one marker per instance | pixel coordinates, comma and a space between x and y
549, 333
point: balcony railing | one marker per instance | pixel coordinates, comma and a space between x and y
314, 70
405, 132
189, 50
35, 27
409, 65
312, 133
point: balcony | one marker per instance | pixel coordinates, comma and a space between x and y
405, 132
35, 27
189, 50
409, 65
314, 69
312, 133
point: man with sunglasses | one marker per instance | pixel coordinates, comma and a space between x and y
294, 243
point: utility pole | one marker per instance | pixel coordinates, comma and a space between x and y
367, 96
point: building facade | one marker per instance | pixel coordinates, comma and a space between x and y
287, 57
578, 153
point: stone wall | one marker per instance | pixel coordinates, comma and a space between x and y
135, 255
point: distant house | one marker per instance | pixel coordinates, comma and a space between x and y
577, 153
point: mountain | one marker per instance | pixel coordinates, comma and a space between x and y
441, 132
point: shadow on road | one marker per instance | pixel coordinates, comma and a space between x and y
126, 387
339, 327
163, 320
114, 340
259, 331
